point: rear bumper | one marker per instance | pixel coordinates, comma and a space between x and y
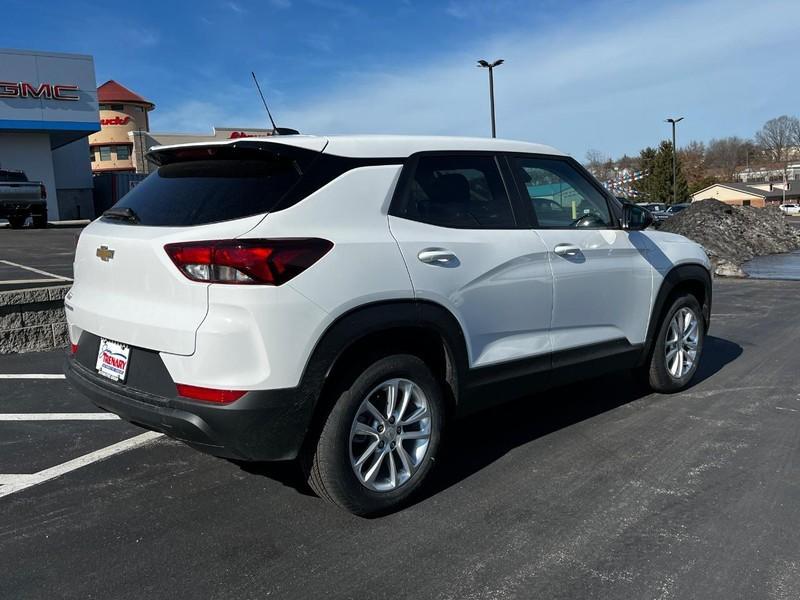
21, 208
261, 425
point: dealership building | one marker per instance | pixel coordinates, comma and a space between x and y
123, 114
143, 141
125, 137
48, 108
87, 145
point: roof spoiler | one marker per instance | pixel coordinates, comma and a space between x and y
242, 148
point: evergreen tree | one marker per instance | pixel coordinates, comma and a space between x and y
656, 186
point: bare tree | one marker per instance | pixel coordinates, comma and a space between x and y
599, 164
776, 137
595, 159
692, 156
725, 155
795, 134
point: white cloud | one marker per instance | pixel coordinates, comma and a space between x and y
457, 10
235, 7
578, 86
603, 81
141, 36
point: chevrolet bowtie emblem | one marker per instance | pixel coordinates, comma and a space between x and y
104, 254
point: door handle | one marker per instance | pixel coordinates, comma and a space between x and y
567, 250
438, 256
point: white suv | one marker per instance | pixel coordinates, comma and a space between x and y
338, 300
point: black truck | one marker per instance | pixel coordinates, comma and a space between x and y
20, 199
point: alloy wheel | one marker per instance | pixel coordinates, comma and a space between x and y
390, 435
681, 342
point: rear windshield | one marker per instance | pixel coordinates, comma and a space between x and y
206, 191
13, 176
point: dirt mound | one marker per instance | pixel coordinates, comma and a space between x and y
732, 235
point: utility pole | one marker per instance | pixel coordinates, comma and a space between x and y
674, 159
487, 65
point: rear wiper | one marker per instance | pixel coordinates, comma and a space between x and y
123, 213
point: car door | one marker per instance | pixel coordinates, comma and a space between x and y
602, 277
454, 223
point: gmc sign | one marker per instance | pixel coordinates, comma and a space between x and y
47, 91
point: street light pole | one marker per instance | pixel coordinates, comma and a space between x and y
487, 65
674, 159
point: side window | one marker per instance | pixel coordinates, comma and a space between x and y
559, 196
459, 191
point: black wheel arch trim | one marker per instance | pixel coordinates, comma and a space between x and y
677, 275
364, 320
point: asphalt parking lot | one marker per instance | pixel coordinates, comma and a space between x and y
36, 257
590, 491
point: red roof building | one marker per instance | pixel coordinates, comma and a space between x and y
112, 92
123, 115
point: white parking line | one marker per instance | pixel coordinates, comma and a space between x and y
17, 483
95, 416
32, 376
11, 479
39, 271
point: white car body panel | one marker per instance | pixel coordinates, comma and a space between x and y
602, 294
500, 291
668, 251
139, 297
260, 337
253, 338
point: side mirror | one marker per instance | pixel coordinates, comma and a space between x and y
635, 218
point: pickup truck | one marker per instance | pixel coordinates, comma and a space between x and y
20, 199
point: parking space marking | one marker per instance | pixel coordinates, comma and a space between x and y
39, 271
95, 416
12, 479
17, 483
32, 376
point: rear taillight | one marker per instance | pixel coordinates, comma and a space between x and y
209, 394
264, 262
73, 348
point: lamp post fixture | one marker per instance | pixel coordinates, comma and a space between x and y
674, 159
487, 65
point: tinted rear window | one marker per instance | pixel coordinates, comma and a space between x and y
14, 176
206, 191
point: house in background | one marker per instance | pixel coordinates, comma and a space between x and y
754, 194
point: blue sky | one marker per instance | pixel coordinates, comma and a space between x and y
578, 75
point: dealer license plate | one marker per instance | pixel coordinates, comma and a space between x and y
112, 359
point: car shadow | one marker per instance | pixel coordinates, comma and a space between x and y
477, 441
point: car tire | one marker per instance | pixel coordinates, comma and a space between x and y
679, 343
40, 221
408, 448
16, 222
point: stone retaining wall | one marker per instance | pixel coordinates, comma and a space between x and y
33, 319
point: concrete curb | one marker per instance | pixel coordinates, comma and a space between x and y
33, 319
